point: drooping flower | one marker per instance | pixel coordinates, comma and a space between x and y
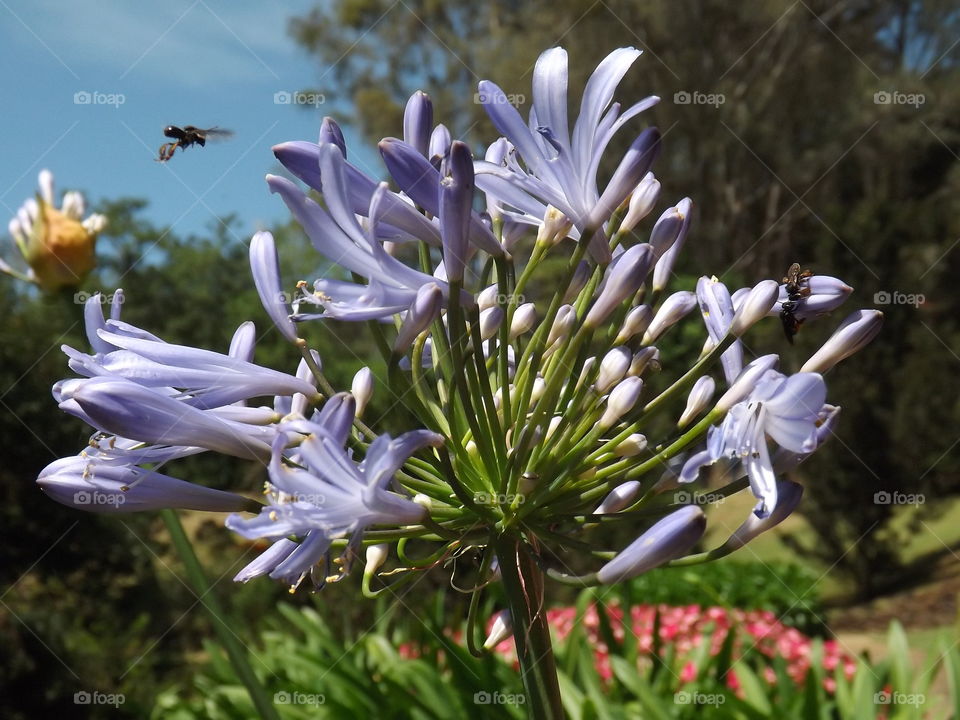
319, 493
787, 409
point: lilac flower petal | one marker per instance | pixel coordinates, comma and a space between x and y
267, 560
266, 276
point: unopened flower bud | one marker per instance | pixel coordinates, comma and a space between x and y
668, 539
523, 320
418, 122
625, 278
501, 629
440, 142
554, 227
362, 389
673, 309
631, 446
490, 320
698, 399
536, 392
636, 322
666, 231
619, 498
755, 306
577, 283
621, 401
562, 324
423, 311
488, 297
789, 494
554, 424
586, 370
664, 264
854, 334
330, 132
375, 557
633, 167
642, 200
823, 294
612, 368
456, 207
644, 359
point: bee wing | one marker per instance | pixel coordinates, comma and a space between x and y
216, 133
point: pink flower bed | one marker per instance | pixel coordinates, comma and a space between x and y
685, 628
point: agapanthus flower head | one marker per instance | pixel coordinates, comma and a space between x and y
57, 244
528, 351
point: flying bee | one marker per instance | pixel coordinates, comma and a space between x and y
184, 137
795, 283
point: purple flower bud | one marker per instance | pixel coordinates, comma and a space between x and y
648, 357
613, 367
636, 322
265, 265
642, 200
698, 399
665, 263
673, 309
330, 132
825, 295
456, 205
666, 231
626, 275
490, 321
578, 281
755, 306
524, 319
668, 539
619, 498
85, 484
439, 143
422, 312
854, 334
635, 164
789, 494
621, 401
418, 122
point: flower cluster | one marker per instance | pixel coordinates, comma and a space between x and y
56, 244
681, 630
533, 389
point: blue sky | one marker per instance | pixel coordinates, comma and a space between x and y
181, 62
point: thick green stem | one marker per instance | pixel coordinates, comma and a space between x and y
523, 582
233, 647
